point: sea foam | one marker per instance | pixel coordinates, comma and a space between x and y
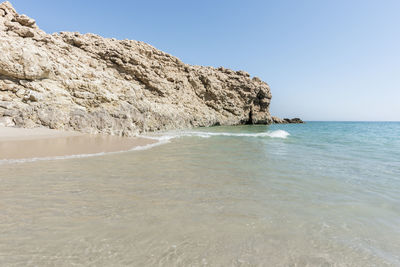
161, 140
172, 135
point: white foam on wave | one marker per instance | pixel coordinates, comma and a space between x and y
77, 156
272, 134
161, 140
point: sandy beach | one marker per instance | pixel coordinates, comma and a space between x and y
19, 143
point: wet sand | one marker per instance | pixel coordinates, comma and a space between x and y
18, 143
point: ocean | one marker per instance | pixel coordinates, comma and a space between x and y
314, 194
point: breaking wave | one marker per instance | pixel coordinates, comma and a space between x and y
161, 140
272, 134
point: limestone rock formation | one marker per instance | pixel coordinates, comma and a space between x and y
92, 84
285, 120
277, 120
294, 120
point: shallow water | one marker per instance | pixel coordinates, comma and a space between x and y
318, 194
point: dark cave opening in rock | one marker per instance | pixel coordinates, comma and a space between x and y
250, 120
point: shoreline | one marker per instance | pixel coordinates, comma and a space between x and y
21, 143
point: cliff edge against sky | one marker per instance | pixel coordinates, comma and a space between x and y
87, 83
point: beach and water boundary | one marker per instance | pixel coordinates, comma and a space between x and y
25, 145
326, 194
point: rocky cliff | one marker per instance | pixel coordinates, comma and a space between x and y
92, 84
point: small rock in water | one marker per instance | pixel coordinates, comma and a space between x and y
294, 120
286, 120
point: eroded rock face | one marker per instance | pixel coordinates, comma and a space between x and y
294, 120
92, 84
286, 120
278, 120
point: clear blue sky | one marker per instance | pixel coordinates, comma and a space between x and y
324, 60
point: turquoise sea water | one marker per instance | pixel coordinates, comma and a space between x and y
318, 194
